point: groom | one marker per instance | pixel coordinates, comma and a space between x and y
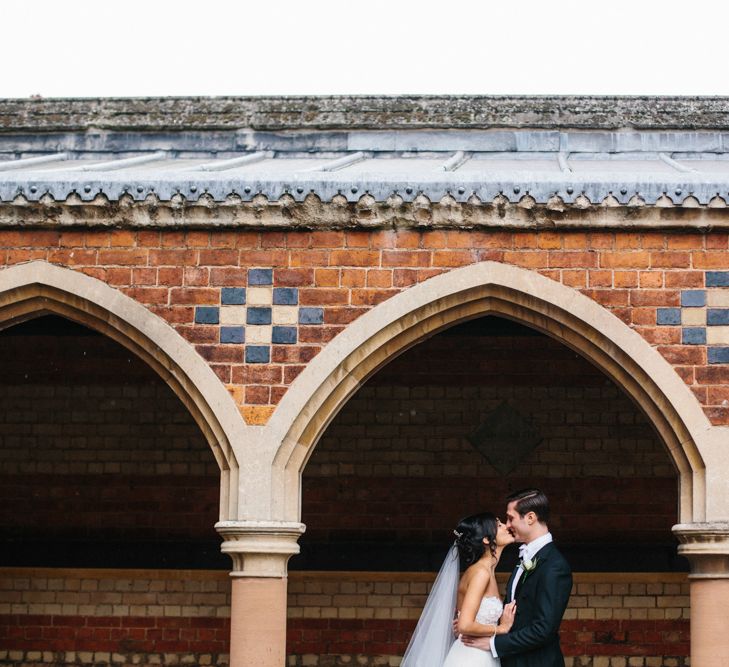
540, 584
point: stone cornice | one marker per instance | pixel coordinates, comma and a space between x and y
363, 112
706, 545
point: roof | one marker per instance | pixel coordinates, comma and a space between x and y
460, 147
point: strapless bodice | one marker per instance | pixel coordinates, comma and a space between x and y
489, 611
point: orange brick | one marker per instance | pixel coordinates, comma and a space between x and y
172, 257
308, 258
371, 297
355, 258
525, 240
489, 255
343, 315
625, 278
377, 278
198, 239
298, 239
404, 277
625, 241
433, 239
660, 335
148, 239
327, 239
717, 241
17, 255
552, 274
670, 260
575, 241
198, 295
643, 316
574, 278
122, 238
529, 259
273, 240
383, 239
407, 239
73, 256
357, 239
126, 257
684, 278
678, 241
638, 259
711, 260
327, 277
603, 240
69, 238
257, 415
608, 297
170, 239
549, 240
406, 258
651, 279
453, 257
323, 297
147, 294
653, 240
353, 277
257, 395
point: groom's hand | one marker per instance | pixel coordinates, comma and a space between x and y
484, 643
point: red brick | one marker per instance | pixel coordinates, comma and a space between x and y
433, 239
552, 274
323, 297
293, 277
357, 239
574, 278
625, 278
235, 239
713, 375
683, 354
123, 238
139, 277
403, 258
371, 297
220, 257
170, 276
299, 239
717, 395
717, 241
17, 256
196, 276
257, 374
221, 353
148, 239
318, 334
627, 240
644, 316
175, 257
72, 256
344, 315
257, 395
600, 278
679, 241
549, 240
327, 239
273, 240
228, 277
197, 239
405, 238
172, 239
126, 257
575, 241
528, 259
174, 314
660, 335
572, 259
670, 260
608, 297
309, 258
262, 258
645, 297
603, 240
148, 294
200, 334
653, 240
453, 257
651, 279
383, 239
289, 354
367, 258
718, 416
292, 372
68, 238
375, 278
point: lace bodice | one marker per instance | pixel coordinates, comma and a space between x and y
490, 610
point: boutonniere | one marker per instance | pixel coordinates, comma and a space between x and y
528, 566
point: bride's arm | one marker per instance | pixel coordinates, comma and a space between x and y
467, 623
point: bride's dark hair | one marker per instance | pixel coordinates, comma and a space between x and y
469, 537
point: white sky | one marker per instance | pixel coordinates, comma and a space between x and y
91, 48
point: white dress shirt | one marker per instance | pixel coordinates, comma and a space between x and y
526, 552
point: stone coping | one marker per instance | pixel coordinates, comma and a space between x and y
362, 112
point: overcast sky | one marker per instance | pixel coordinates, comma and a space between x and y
90, 48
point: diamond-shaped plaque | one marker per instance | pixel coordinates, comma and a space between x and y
505, 438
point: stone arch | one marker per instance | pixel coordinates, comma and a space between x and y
525, 296
38, 288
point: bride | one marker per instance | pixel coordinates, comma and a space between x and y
479, 541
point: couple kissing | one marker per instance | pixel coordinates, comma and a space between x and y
523, 631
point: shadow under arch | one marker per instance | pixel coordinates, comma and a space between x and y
38, 288
419, 312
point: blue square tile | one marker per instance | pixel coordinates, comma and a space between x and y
284, 335
668, 316
258, 315
233, 296
260, 276
693, 298
717, 278
207, 314
717, 316
285, 296
258, 354
694, 336
719, 355
232, 335
311, 315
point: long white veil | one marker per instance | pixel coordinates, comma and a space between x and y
433, 635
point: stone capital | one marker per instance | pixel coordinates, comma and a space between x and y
260, 548
706, 545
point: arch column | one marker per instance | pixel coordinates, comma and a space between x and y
260, 551
706, 545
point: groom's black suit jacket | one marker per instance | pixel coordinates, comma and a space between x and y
541, 599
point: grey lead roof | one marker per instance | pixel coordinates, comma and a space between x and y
630, 149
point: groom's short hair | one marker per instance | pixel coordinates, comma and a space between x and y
531, 500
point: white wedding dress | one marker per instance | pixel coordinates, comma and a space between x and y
460, 655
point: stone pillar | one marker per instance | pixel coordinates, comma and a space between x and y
260, 551
706, 545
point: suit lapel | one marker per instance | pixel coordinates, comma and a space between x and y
541, 555
510, 584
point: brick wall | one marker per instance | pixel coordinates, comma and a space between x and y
103, 617
197, 281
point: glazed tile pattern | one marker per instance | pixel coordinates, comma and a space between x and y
703, 317
259, 315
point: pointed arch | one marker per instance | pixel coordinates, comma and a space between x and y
38, 288
419, 312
